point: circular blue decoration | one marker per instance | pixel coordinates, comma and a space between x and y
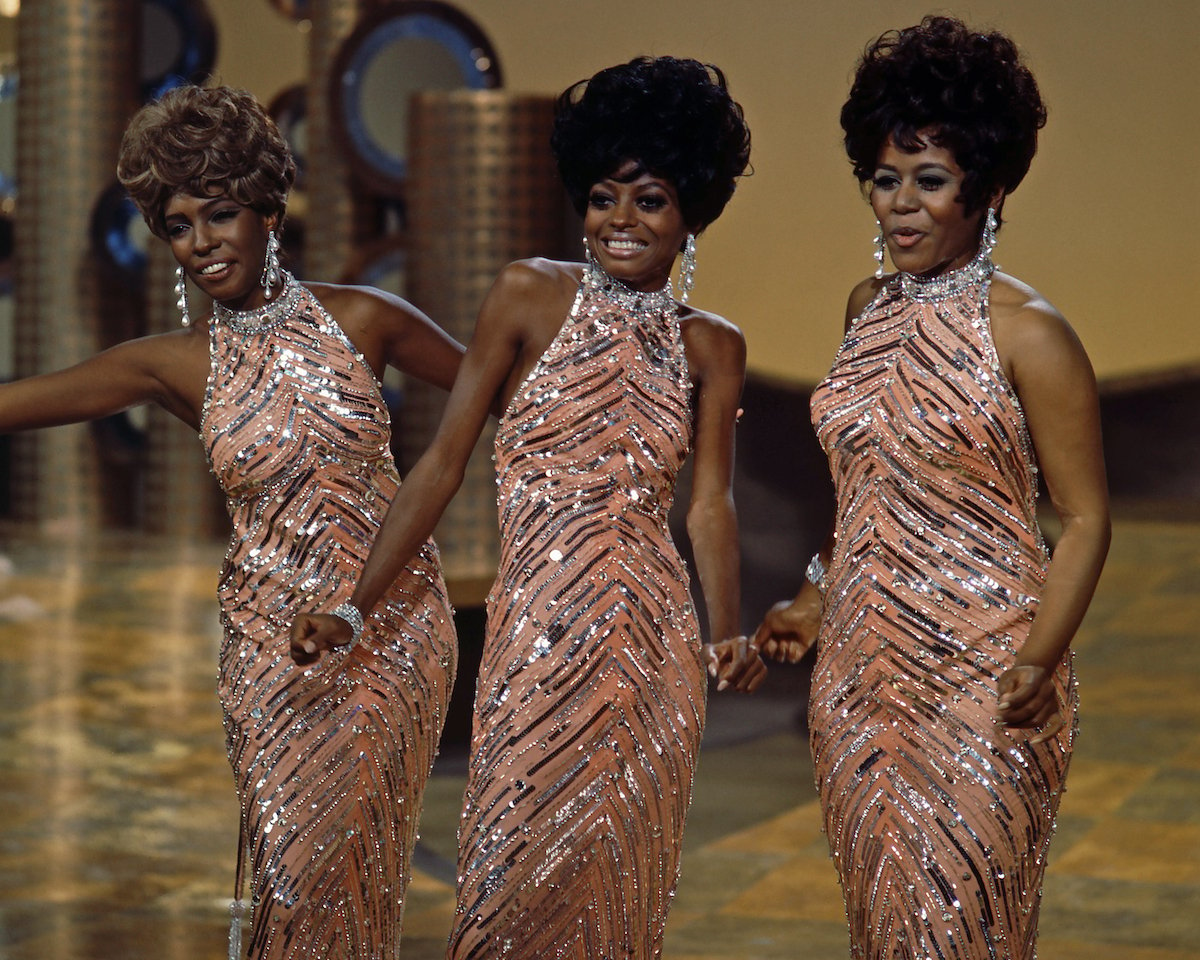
449, 30
8, 178
289, 110
112, 217
179, 45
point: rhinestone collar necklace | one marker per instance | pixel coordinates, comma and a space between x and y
949, 284
266, 317
597, 280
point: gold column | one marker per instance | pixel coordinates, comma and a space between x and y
181, 494
78, 67
482, 191
336, 206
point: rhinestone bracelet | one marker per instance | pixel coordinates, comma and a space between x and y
816, 572
353, 616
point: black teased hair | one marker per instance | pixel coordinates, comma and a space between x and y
673, 117
970, 88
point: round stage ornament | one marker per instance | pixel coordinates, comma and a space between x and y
179, 45
8, 177
398, 50
119, 234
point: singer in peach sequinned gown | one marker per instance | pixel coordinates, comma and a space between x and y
943, 701
591, 696
329, 759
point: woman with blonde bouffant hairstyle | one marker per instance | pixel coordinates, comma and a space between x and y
281, 380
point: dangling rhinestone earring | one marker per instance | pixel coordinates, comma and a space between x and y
687, 268
987, 243
181, 293
270, 274
587, 253
879, 248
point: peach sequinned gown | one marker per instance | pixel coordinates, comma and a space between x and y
938, 820
590, 700
330, 762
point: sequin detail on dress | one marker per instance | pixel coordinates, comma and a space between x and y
938, 820
330, 762
590, 701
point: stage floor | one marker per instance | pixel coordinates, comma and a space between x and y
119, 822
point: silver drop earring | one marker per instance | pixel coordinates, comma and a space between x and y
687, 268
879, 249
270, 274
987, 243
181, 293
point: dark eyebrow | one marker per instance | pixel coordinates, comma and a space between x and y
923, 168
204, 207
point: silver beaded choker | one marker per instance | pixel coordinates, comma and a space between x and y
951, 283
598, 280
266, 317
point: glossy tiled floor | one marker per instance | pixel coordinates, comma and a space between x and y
117, 819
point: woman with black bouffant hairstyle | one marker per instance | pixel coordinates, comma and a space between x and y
281, 380
943, 704
591, 695
674, 116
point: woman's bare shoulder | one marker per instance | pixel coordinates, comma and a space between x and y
711, 341
1018, 310
539, 276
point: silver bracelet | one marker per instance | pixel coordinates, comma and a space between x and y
816, 573
353, 616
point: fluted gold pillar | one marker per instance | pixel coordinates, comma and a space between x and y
78, 66
482, 191
180, 493
336, 205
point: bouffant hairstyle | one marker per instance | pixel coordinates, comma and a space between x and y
205, 141
971, 89
673, 117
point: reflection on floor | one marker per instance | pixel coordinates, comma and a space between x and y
118, 828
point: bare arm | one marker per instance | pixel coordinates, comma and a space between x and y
790, 627
389, 331
717, 358
486, 367
167, 369
1050, 372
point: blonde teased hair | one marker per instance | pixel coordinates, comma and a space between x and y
204, 142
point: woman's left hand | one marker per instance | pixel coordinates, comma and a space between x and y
313, 633
1028, 700
735, 663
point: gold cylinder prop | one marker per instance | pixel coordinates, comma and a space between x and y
482, 192
337, 210
181, 496
78, 65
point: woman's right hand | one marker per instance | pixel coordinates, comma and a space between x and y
790, 627
314, 633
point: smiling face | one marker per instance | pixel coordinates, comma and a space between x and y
635, 227
222, 245
915, 197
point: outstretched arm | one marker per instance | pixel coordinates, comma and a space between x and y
1053, 378
717, 357
163, 369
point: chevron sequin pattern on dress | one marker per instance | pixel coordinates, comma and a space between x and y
938, 820
330, 761
591, 694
